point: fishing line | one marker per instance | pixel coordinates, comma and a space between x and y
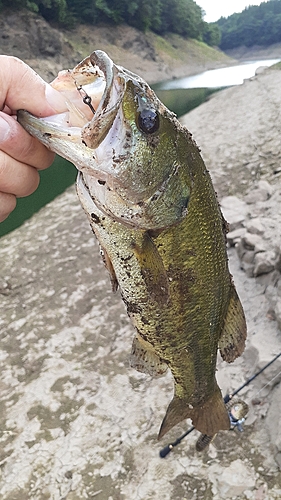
268, 383
165, 451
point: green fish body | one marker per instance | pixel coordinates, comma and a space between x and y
152, 206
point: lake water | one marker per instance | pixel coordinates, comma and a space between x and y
181, 95
216, 78
53, 181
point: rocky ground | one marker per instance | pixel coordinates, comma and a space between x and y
75, 421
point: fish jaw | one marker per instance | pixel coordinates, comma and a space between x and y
63, 133
131, 175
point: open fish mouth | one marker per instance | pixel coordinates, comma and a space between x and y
93, 94
112, 130
83, 89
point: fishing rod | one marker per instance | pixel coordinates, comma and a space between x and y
165, 451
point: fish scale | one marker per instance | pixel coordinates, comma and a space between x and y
152, 206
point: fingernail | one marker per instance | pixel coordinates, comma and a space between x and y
55, 99
4, 129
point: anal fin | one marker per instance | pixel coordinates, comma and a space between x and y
145, 360
233, 337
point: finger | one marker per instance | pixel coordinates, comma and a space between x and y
22, 88
7, 204
7, 110
18, 144
17, 178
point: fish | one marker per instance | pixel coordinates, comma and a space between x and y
237, 410
152, 206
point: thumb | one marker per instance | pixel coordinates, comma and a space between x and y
22, 88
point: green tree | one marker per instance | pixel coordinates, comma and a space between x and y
52, 10
212, 34
183, 17
256, 25
144, 15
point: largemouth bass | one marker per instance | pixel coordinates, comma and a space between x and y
153, 209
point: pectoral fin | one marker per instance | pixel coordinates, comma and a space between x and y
110, 268
152, 269
232, 341
144, 359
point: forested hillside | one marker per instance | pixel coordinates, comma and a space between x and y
183, 17
256, 25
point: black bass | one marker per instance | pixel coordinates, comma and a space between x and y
153, 209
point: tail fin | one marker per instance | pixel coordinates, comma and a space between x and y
208, 418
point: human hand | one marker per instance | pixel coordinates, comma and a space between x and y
21, 156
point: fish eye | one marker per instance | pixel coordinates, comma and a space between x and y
148, 121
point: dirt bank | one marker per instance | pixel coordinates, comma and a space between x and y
238, 130
48, 50
255, 52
